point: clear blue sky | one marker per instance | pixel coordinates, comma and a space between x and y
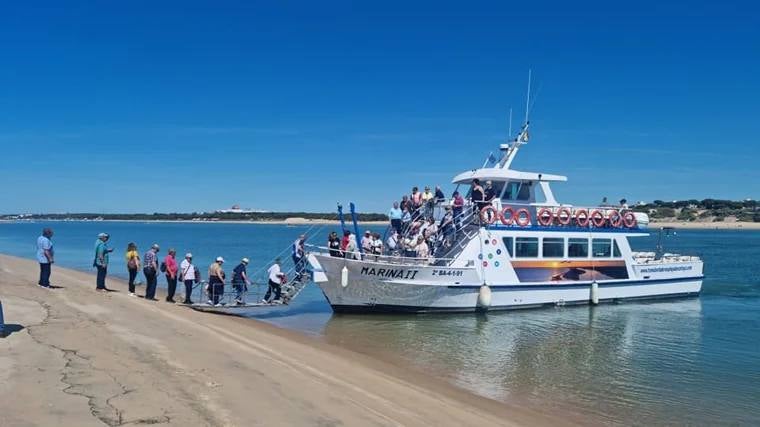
190, 106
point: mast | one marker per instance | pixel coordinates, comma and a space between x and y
511, 150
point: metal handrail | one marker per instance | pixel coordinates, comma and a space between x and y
378, 257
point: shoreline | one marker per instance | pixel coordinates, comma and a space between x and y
287, 221
79, 357
725, 225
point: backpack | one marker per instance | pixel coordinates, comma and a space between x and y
163, 267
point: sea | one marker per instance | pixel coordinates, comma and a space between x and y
690, 361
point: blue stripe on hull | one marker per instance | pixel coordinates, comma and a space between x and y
388, 309
573, 285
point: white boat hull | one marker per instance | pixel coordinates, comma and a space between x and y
427, 292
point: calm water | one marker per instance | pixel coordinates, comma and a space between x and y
694, 361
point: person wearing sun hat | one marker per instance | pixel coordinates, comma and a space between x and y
240, 281
216, 281
188, 274
101, 260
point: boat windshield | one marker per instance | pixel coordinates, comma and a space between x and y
517, 190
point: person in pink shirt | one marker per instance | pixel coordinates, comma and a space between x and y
170, 264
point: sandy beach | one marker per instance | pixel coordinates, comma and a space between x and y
76, 357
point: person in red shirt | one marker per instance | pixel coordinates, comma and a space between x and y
171, 274
344, 242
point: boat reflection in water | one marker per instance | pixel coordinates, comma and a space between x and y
621, 363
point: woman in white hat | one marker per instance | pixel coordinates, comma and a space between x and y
216, 281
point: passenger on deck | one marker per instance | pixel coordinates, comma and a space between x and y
240, 281
477, 195
333, 244
489, 193
422, 248
457, 206
216, 282
405, 204
367, 242
428, 202
431, 229
377, 244
393, 243
352, 249
344, 242
395, 215
416, 199
623, 204
439, 196
406, 220
276, 279
446, 226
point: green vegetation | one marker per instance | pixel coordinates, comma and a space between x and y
212, 216
702, 210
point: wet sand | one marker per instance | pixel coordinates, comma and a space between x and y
76, 357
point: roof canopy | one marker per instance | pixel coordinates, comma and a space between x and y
499, 174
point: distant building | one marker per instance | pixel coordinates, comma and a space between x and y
236, 209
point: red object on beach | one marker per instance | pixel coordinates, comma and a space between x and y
521, 220
597, 218
629, 219
564, 220
507, 219
581, 221
616, 220
545, 217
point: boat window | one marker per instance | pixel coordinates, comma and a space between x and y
526, 247
513, 188
577, 248
615, 249
509, 243
524, 193
601, 248
553, 247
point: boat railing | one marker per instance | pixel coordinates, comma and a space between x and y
380, 258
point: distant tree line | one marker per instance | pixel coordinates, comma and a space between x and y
215, 216
704, 210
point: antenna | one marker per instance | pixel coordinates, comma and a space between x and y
509, 135
527, 100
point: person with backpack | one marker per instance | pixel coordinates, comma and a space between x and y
150, 270
190, 275
133, 264
101, 261
169, 267
240, 281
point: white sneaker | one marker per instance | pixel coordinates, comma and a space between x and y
209, 302
132, 294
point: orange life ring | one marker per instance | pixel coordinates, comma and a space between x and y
521, 220
597, 218
567, 218
582, 222
616, 220
488, 219
544, 217
507, 219
629, 219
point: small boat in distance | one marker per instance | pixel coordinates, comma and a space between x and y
522, 249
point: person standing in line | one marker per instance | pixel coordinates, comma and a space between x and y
344, 243
276, 277
133, 264
150, 270
101, 261
171, 275
395, 215
45, 256
367, 242
240, 281
298, 253
216, 281
188, 276
457, 205
428, 201
439, 196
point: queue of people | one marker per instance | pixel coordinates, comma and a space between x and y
175, 272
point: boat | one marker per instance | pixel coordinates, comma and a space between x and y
523, 249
